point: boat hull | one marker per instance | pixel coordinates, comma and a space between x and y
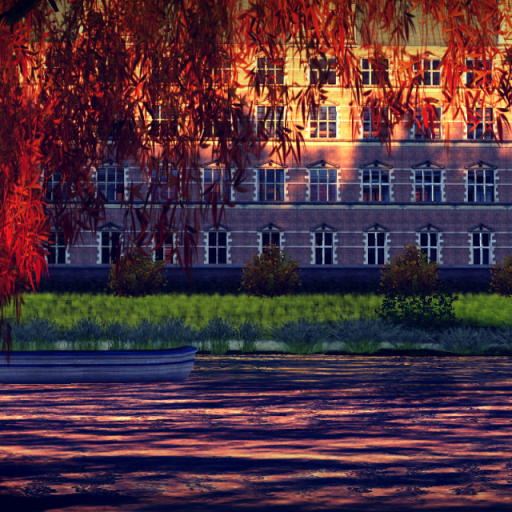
115, 366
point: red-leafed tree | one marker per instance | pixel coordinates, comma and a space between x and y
65, 87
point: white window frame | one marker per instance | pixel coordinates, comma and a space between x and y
327, 67
368, 70
226, 185
416, 133
323, 118
487, 112
273, 118
431, 72
329, 186
433, 188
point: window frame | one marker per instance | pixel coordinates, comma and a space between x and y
326, 67
327, 121
483, 121
428, 72
415, 128
370, 72
270, 71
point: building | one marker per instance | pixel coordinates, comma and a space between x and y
348, 208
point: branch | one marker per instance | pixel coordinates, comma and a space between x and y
21, 9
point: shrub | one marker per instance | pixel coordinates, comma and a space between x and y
409, 285
502, 281
270, 275
137, 279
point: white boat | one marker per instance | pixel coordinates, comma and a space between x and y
95, 366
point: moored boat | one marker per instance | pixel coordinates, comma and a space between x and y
95, 366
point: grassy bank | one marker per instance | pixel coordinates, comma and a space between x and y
480, 310
299, 321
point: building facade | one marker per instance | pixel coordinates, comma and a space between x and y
348, 207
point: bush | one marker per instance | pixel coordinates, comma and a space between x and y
137, 279
502, 281
269, 274
409, 285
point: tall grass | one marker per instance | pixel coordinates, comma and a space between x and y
482, 310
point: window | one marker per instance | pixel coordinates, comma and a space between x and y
371, 130
222, 75
323, 184
370, 73
322, 72
375, 185
217, 130
322, 122
431, 74
111, 182
217, 247
480, 128
481, 248
162, 124
271, 184
270, 121
428, 185
270, 238
159, 185
56, 248
270, 71
376, 248
424, 117
212, 176
122, 124
54, 189
109, 242
481, 186
428, 245
166, 250
472, 79
323, 248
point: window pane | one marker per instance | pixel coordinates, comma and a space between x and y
212, 255
380, 253
318, 256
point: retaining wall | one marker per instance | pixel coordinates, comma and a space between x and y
227, 279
